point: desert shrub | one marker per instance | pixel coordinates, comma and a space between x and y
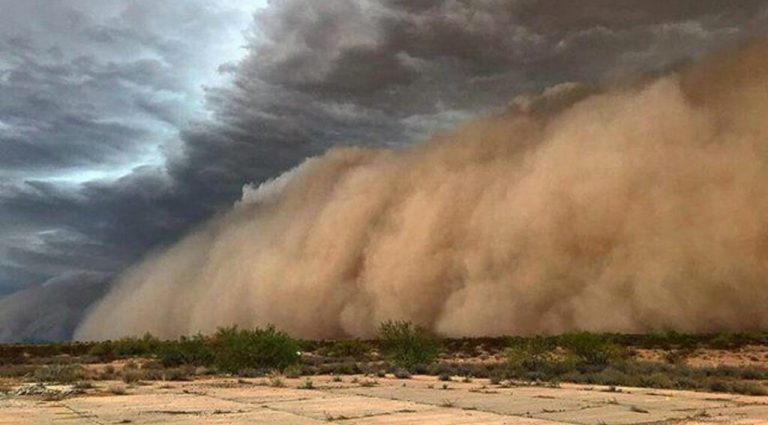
753, 373
495, 379
401, 373
102, 349
63, 374
723, 341
183, 373
535, 359
293, 371
153, 374
129, 346
250, 373
345, 368
276, 380
657, 380
748, 388
668, 340
419, 369
407, 345
592, 349
309, 346
447, 368
136, 346
133, 376
117, 389
678, 356
532, 354
746, 373
82, 385
267, 348
17, 371
152, 364
354, 348
52, 395
107, 373
477, 370
685, 382
186, 351
609, 376
665, 340
719, 386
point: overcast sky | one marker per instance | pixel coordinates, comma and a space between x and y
125, 122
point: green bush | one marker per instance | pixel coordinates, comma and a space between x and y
407, 345
128, 346
102, 349
719, 386
748, 388
401, 373
16, 371
236, 349
354, 348
657, 380
134, 376
183, 373
531, 354
724, 341
293, 371
136, 346
62, 374
592, 349
186, 351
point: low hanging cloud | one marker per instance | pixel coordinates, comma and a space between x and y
632, 207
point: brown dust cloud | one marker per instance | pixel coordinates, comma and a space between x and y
637, 206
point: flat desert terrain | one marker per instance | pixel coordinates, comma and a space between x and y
368, 400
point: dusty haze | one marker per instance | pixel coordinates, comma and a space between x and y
635, 207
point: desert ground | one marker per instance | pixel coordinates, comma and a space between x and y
366, 400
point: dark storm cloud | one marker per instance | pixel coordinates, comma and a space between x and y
48, 313
70, 114
389, 72
95, 86
317, 73
409, 58
554, 15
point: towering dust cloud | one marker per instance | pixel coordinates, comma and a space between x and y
629, 208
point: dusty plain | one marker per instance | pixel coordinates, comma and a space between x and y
368, 400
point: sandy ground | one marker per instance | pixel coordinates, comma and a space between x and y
420, 400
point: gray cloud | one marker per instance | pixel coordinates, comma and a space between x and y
93, 87
99, 87
48, 313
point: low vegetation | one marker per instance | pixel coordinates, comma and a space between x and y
268, 348
59, 373
407, 345
126, 347
401, 349
196, 351
351, 348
